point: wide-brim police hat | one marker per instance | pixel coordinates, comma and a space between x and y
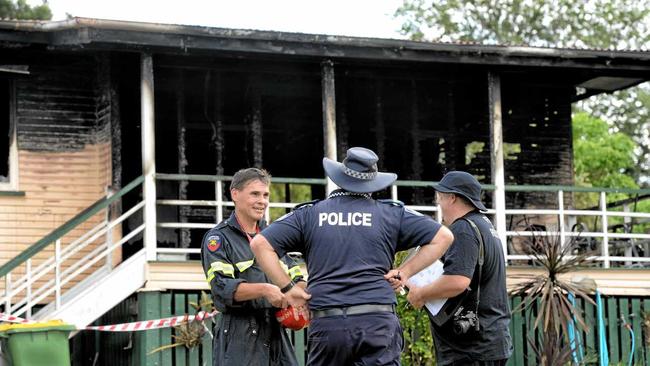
463, 184
358, 172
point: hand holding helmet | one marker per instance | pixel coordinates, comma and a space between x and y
291, 318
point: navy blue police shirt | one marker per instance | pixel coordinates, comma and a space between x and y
349, 242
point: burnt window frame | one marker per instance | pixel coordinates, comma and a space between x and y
12, 154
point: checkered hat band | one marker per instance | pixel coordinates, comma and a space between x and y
359, 175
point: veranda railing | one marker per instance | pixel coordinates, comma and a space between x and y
554, 215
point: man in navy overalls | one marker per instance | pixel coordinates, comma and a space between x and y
349, 241
247, 332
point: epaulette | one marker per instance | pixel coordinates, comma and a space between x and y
305, 204
392, 202
221, 225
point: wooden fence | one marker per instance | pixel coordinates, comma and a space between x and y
134, 348
617, 335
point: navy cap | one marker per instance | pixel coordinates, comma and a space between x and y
464, 184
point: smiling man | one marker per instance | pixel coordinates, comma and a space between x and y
247, 333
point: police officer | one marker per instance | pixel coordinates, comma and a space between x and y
247, 333
487, 342
349, 241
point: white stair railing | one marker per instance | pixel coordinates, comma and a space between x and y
54, 278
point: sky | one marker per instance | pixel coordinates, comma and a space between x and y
362, 18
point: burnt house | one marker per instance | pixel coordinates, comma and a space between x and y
92, 108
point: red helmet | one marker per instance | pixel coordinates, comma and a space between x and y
288, 320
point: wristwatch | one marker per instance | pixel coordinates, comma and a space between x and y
288, 287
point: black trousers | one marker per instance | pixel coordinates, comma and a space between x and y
251, 340
355, 340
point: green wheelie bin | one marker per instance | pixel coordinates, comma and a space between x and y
36, 344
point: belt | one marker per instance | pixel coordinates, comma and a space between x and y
352, 310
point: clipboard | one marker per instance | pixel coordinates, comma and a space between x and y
439, 310
426, 277
450, 308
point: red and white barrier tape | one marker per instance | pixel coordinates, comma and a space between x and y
13, 319
129, 327
152, 324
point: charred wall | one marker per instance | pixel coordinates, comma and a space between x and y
73, 99
125, 116
222, 115
215, 116
418, 120
59, 106
538, 143
537, 119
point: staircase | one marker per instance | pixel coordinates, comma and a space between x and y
79, 282
98, 293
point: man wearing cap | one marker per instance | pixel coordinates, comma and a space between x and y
247, 332
487, 341
349, 241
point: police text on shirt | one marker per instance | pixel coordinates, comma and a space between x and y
345, 219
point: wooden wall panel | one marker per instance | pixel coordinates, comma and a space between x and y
52, 198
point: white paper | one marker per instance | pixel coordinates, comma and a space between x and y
425, 277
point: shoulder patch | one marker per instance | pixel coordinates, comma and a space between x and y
392, 202
214, 242
305, 204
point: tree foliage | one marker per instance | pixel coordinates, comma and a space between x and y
296, 193
21, 10
627, 111
601, 158
607, 24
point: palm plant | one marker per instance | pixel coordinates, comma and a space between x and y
552, 351
552, 292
